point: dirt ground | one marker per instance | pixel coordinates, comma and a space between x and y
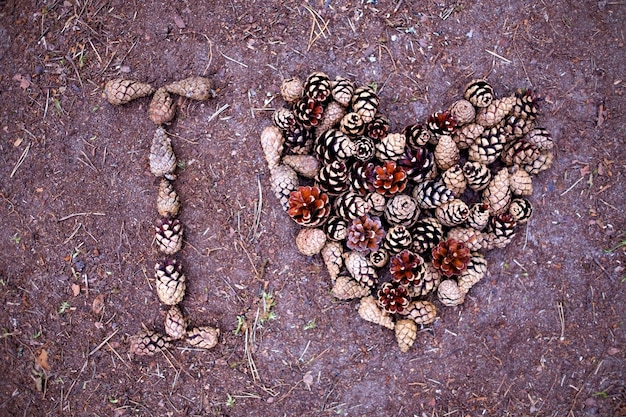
542, 335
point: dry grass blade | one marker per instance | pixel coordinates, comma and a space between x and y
104, 342
321, 27
21, 160
253, 235
247, 349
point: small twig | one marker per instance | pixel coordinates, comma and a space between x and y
572, 186
69, 216
508, 61
233, 60
73, 233
218, 111
80, 80
104, 342
21, 160
559, 307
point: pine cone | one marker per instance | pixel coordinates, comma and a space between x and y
452, 213
426, 234
310, 241
495, 112
368, 310
450, 294
441, 123
272, 143
352, 124
336, 228
298, 140
454, 180
306, 165
406, 268
362, 177
333, 145
521, 210
446, 153
488, 146
365, 103
147, 343
379, 258
346, 288
422, 312
378, 128
503, 225
284, 119
406, 333
517, 127
391, 147
450, 257
389, 179
419, 164
119, 91
520, 181
525, 106
473, 239
397, 239
463, 112
417, 135
333, 178
520, 153
332, 254
479, 93
342, 91
543, 162
402, 210
195, 88
393, 298
364, 149
333, 114
292, 89
477, 174
168, 202
466, 136
498, 194
541, 138
309, 112
203, 337
360, 268
431, 277
478, 216
162, 157
476, 270
169, 235
431, 194
351, 206
365, 234
175, 326
283, 181
170, 282
377, 203
317, 87
162, 108
308, 206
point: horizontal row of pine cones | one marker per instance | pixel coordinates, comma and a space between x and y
400, 219
170, 281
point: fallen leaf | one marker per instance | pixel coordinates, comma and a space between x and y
75, 289
41, 361
179, 22
98, 305
308, 380
602, 114
585, 170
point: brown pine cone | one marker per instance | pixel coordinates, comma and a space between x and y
498, 194
272, 142
454, 180
543, 162
298, 140
463, 112
120, 91
168, 202
292, 89
517, 127
368, 310
446, 153
495, 112
431, 277
317, 87
203, 337
525, 105
478, 216
308, 206
147, 343
402, 210
466, 136
389, 179
520, 152
473, 239
406, 268
333, 178
365, 234
488, 146
162, 108
452, 213
169, 235
360, 268
441, 123
365, 149
478, 175
170, 282
426, 234
306, 165
479, 93
162, 157
309, 112
332, 254
346, 288
397, 239
520, 181
541, 138
284, 119
422, 312
365, 102
351, 206
503, 225
342, 91
393, 298
406, 333
283, 181
195, 88
175, 325
333, 145
417, 135
431, 194
391, 147
379, 258
352, 124
450, 257
377, 203
310, 241
336, 228
521, 210
378, 128
476, 270
418, 163
333, 114
450, 294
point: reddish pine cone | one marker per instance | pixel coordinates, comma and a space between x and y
365, 234
309, 112
393, 298
308, 206
441, 123
450, 257
389, 179
406, 267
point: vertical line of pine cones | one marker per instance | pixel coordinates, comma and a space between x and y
170, 280
406, 215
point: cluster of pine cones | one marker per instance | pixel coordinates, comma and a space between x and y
168, 273
400, 218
